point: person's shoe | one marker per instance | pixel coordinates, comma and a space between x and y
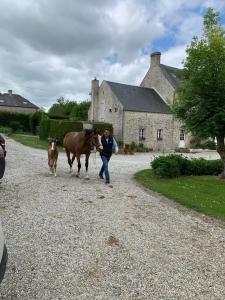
101, 177
107, 182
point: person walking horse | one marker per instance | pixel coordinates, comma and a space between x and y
107, 143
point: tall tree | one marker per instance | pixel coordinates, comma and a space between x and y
200, 102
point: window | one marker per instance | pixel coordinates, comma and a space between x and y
159, 134
181, 134
141, 134
2, 101
110, 110
116, 109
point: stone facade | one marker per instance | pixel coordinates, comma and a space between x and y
152, 123
106, 107
158, 131
15, 109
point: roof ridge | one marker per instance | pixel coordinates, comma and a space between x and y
175, 68
136, 86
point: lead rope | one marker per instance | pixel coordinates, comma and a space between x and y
94, 156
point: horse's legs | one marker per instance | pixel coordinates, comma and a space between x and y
69, 160
55, 166
78, 165
74, 155
86, 164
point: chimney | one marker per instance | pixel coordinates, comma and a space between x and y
10, 92
155, 58
94, 97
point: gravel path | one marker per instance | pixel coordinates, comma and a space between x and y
74, 239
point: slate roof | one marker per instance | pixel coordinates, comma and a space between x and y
15, 100
172, 75
140, 99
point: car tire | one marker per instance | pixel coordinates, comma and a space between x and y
3, 263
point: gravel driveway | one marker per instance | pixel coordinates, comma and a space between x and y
69, 238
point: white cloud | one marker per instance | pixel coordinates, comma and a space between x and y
54, 48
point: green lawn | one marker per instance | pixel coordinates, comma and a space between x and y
205, 194
32, 141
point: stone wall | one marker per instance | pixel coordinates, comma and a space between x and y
156, 79
17, 109
151, 122
108, 109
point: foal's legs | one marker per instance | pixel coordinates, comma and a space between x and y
86, 165
69, 160
78, 165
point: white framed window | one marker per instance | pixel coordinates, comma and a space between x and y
141, 134
182, 135
159, 134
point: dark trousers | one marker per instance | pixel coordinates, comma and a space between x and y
105, 168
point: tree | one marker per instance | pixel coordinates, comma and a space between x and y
200, 101
65, 109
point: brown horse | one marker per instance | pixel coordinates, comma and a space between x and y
79, 143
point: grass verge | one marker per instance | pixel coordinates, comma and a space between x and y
32, 141
205, 194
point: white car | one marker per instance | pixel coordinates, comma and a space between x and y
3, 254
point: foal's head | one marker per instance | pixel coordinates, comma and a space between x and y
91, 136
52, 143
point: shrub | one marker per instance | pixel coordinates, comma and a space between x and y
163, 165
7, 117
168, 169
202, 166
120, 144
102, 126
15, 125
176, 165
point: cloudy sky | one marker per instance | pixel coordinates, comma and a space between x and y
54, 48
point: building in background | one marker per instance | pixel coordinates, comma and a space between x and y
10, 102
141, 114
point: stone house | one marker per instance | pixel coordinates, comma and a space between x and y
10, 102
141, 114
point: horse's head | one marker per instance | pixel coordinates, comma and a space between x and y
52, 142
91, 136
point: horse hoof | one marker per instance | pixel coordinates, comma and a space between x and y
87, 177
77, 175
55, 175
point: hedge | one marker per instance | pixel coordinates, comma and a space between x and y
44, 128
8, 117
35, 120
172, 165
58, 128
102, 126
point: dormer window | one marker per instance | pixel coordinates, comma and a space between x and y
2, 101
24, 102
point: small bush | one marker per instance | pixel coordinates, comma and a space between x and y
120, 144
175, 165
15, 125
